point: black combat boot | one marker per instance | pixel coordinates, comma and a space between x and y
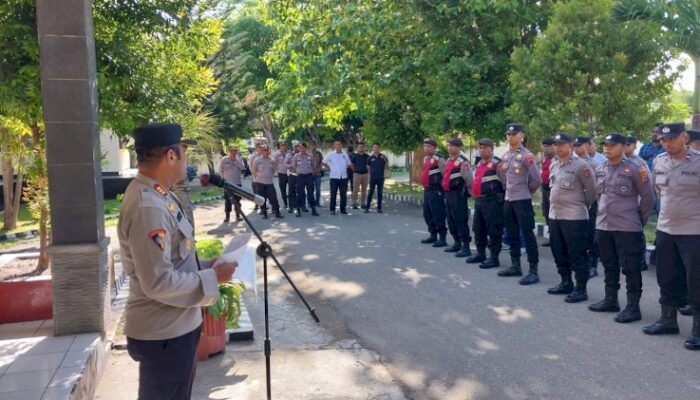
513, 270
566, 286
667, 323
631, 311
686, 310
578, 295
264, 215
608, 304
532, 276
464, 251
693, 341
278, 214
455, 247
431, 239
313, 211
480, 256
441, 242
228, 215
297, 213
491, 262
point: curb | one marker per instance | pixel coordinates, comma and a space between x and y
19, 235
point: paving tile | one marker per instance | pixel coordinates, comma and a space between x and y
25, 381
57, 393
32, 394
66, 377
39, 362
4, 366
75, 359
19, 330
16, 347
84, 341
52, 345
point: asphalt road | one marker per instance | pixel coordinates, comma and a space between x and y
448, 330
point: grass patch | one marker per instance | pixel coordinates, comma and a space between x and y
403, 188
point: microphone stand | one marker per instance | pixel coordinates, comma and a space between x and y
265, 251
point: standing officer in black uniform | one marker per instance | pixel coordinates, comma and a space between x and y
625, 200
519, 173
677, 181
489, 195
303, 166
456, 179
433, 195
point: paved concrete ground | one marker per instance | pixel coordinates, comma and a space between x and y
444, 329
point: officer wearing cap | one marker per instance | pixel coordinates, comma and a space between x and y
489, 195
694, 141
282, 178
163, 318
625, 199
677, 181
433, 195
573, 192
547, 157
303, 166
231, 168
264, 169
291, 176
521, 177
581, 146
630, 147
456, 181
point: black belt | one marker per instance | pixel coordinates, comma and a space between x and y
309, 174
361, 173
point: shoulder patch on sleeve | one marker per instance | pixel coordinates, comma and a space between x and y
158, 237
530, 159
643, 174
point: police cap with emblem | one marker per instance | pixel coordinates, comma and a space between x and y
430, 141
455, 142
614, 138
671, 130
694, 134
158, 135
562, 138
581, 140
486, 142
631, 139
512, 129
548, 141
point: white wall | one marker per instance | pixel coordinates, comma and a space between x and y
114, 159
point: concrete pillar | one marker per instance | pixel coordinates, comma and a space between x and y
69, 90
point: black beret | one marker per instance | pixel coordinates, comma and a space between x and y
431, 142
581, 140
486, 142
694, 134
157, 135
548, 141
562, 138
671, 130
631, 139
455, 142
514, 128
615, 138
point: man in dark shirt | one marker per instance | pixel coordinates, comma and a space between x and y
350, 153
360, 173
378, 164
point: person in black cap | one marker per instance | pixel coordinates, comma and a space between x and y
625, 200
694, 141
489, 195
677, 180
168, 287
456, 181
433, 195
630, 147
521, 177
581, 146
547, 157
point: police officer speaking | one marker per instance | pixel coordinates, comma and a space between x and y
677, 181
433, 195
625, 200
456, 180
519, 173
163, 318
572, 193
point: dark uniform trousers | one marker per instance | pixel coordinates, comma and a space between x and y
292, 190
593, 252
676, 253
283, 181
270, 194
457, 215
166, 367
229, 200
375, 183
622, 251
569, 242
519, 215
434, 210
488, 223
305, 183
545, 204
342, 185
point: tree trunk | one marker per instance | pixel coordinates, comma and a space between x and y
696, 94
417, 165
43, 241
10, 194
44, 208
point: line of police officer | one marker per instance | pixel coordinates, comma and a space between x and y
623, 188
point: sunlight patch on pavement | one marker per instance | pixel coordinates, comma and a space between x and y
359, 260
412, 275
510, 314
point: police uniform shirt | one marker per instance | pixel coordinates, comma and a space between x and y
264, 170
288, 161
251, 159
625, 196
303, 163
280, 159
636, 159
573, 189
230, 169
158, 253
678, 184
519, 173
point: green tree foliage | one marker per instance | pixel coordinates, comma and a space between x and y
587, 74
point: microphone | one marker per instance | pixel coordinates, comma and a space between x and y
218, 181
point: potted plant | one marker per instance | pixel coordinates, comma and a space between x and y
224, 312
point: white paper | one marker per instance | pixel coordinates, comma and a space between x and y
241, 250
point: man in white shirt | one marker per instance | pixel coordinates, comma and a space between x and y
337, 162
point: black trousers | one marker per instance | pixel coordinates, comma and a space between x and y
228, 204
305, 184
519, 216
166, 367
622, 251
342, 185
545, 204
678, 269
283, 182
569, 243
457, 215
350, 174
267, 190
488, 223
378, 184
434, 210
593, 252
292, 190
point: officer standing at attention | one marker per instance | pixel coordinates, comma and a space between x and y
488, 193
581, 146
263, 169
456, 181
231, 168
625, 199
378, 166
677, 180
292, 176
163, 315
433, 195
694, 141
302, 164
547, 156
573, 192
519, 173
282, 177
317, 173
